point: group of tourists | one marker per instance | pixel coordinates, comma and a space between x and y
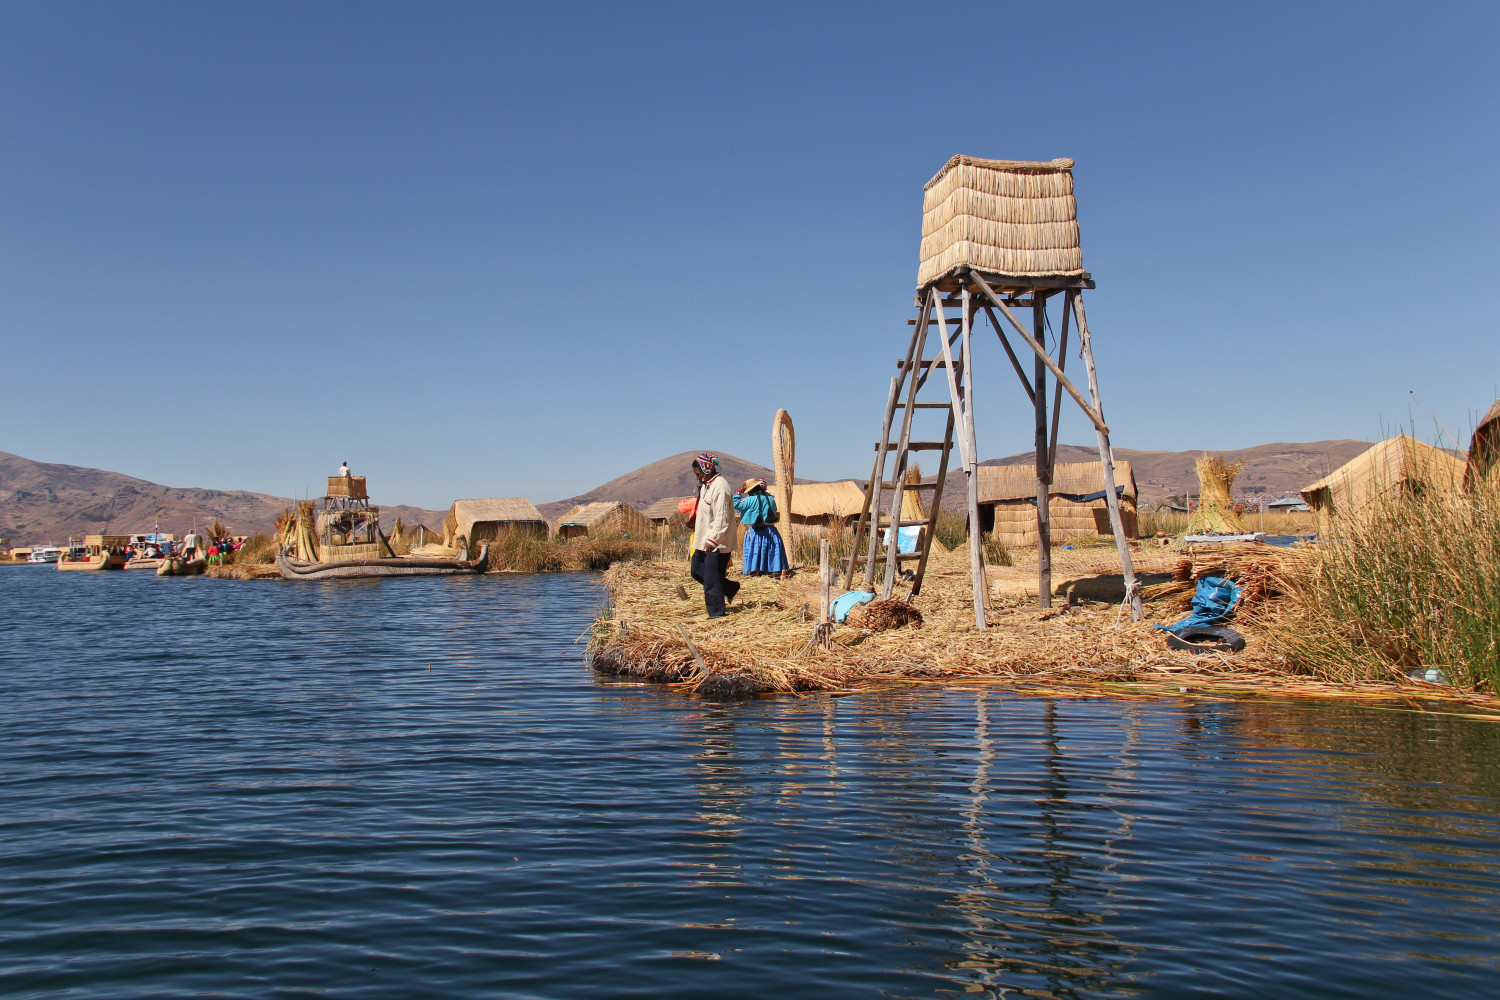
716, 526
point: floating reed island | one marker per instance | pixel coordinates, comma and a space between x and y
1086, 646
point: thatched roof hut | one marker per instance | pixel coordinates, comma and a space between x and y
1484, 448
481, 521
1076, 502
1006, 217
825, 503
1397, 464
665, 511
611, 517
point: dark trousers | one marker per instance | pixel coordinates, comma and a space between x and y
710, 569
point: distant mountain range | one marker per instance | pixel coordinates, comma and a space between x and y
45, 502
669, 477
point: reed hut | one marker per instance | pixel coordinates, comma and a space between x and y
1484, 450
665, 512
480, 521
606, 517
826, 504
1076, 502
1397, 465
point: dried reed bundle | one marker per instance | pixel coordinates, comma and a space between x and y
881, 616
784, 458
1215, 511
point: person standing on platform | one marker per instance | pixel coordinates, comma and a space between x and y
764, 550
713, 536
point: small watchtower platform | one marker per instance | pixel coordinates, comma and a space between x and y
997, 236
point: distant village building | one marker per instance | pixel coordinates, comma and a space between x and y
1287, 505
1076, 505
605, 517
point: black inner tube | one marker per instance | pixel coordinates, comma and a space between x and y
1204, 638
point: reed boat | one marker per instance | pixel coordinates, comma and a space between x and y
178, 566
343, 541
292, 568
89, 558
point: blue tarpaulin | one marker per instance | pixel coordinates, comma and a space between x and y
841, 606
1213, 603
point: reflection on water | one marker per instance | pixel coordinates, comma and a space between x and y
405, 788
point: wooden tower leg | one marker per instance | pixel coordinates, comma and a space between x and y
1043, 460
971, 474
1107, 463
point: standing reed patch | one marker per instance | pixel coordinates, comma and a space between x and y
1410, 581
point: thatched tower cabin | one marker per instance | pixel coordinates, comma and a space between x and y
481, 521
605, 517
1012, 218
824, 504
665, 512
1400, 464
1076, 504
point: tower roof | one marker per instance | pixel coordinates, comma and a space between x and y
1015, 218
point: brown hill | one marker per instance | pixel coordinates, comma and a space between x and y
1271, 470
46, 502
669, 477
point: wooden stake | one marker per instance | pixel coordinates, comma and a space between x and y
1107, 462
823, 582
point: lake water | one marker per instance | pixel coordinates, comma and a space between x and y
415, 788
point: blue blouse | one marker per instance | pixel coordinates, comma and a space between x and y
755, 507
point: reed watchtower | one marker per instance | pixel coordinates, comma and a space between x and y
998, 237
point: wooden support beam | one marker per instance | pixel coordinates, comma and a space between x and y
971, 475
1043, 356
1015, 362
1043, 468
913, 445
1107, 464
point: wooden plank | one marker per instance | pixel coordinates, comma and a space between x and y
927, 406
913, 445
1020, 282
914, 486
1044, 357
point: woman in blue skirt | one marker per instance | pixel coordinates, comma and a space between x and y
764, 552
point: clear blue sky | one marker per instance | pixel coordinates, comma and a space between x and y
484, 250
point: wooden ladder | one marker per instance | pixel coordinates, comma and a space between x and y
951, 354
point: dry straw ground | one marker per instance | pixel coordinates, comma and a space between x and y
765, 644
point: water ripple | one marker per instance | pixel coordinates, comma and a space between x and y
414, 788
